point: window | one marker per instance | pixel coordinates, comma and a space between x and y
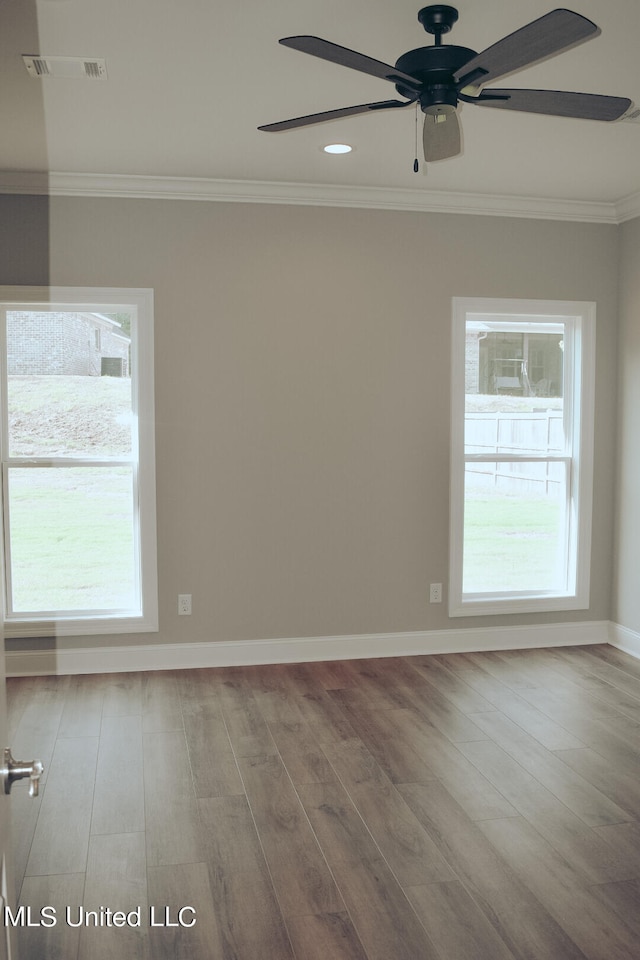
522, 455
78, 461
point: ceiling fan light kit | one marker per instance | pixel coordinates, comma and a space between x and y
441, 76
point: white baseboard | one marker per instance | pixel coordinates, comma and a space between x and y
624, 639
123, 659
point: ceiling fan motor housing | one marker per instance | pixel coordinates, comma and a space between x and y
434, 68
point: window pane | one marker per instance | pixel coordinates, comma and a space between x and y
514, 384
71, 539
514, 527
68, 386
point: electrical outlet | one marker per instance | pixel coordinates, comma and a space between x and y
435, 593
184, 604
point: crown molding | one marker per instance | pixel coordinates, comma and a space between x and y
312, 194
628, 208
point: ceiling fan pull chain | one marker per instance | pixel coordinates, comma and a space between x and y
416, 164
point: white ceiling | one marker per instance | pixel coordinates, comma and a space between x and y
189, 81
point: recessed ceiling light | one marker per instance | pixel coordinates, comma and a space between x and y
337, 148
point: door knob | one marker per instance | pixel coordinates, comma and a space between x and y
19, 769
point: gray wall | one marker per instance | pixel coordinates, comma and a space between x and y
303, 412
626, 580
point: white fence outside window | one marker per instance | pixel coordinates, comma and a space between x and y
505, 432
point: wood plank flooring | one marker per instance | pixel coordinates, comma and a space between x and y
456, 807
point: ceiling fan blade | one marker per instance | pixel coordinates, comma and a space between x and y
557, 103
551, 34
441, 136
334, 115
350, 58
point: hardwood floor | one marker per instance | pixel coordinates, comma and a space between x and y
456, 807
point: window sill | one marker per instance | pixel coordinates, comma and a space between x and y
79, 626
539, 603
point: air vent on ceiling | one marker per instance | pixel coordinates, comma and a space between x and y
69, 68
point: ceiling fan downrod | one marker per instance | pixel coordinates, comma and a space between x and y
438, 19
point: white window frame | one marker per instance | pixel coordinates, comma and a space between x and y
79, 299
579, 405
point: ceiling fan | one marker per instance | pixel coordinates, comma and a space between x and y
440, 76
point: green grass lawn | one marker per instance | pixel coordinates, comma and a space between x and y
69, 416
71, 528
511, 541
71, 539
